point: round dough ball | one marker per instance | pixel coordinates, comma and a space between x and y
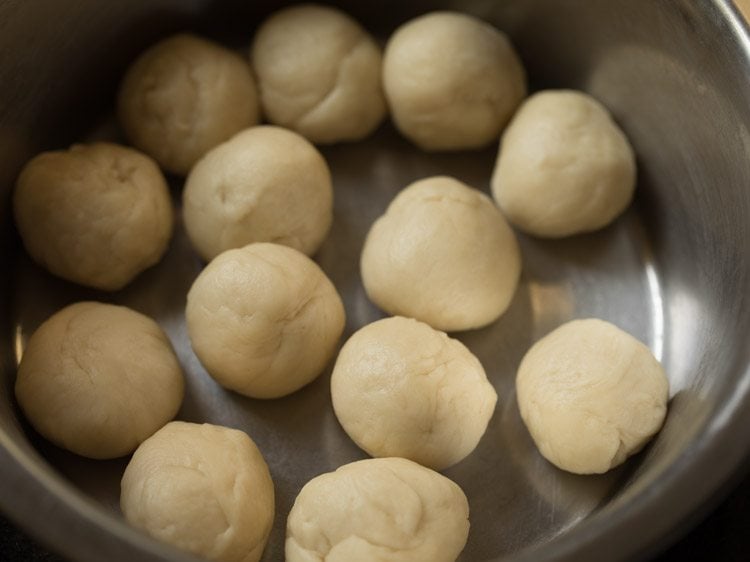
591, 395
202, 488
264, 320
98, 379
182, 97
452, 81
390, 510
403, 389
443, 254
564, 166
319, 74
96, 214
266, 184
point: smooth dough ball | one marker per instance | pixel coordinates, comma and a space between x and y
202, 488
97, 379
403, 389
264, 320
443, 254
182, 97
452, 81
266, 184
389, 510
591, 395
319, 74
96, 214
564, 166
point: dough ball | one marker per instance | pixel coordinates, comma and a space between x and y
266, 184
182, 97
202, 488
98, 379
264, 320
452, 81
403, 389
443, 254
389, 510
564, 166
319, 74
591, 395
96, 214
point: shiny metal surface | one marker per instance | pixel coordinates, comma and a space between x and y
674, 271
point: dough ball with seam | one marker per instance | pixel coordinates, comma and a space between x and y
183, 96
319, 74
390, 510
203, 488
96, 214
591, 395
97, 379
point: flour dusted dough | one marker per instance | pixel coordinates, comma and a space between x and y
202, 488
389, 510
182, 97
96, 214
564, 166
591, 395
264, 320
451, 80
403, 389
266, 184
443, 254
319, 74
98, 379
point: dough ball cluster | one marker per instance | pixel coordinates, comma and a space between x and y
182, 97
98, 379
319, 74
591, 395
96, 214
443, 254
452, 81
564, 166
265, 184
264, 320
203, 488
390, 510
403, 389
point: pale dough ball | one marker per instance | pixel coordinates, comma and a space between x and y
442, 253
451, 80
403, 389
182, 97
98, 379
266, 184
202, 488
264, 320
389, 510
591, 395
96, 214
564, 166
319, 74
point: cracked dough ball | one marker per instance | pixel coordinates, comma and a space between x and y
403, 389
591, 395
319, 74
264, 320
202, 488
389, 510
97, 214
452, 81
266, 184
442, 253
564, 166
98, 379
182, 97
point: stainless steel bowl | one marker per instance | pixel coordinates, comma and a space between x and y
675, 270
